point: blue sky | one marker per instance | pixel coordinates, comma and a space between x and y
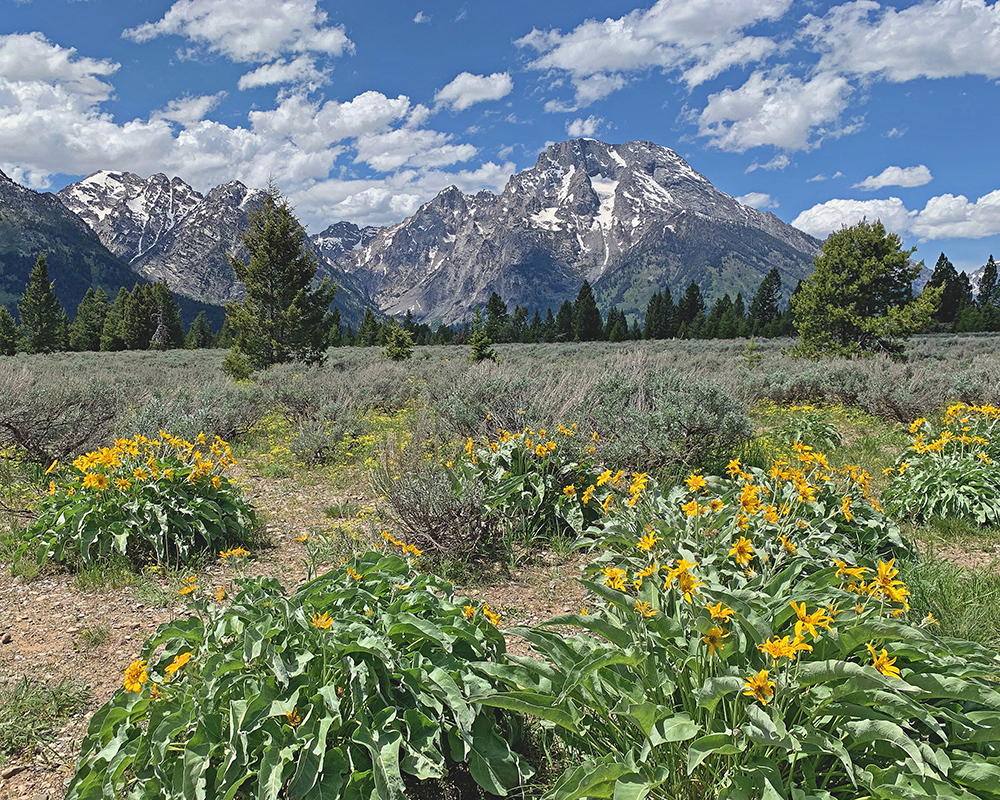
819, 112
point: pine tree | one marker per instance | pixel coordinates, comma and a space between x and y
336, 333
8, 333
764, 308
40, 312
564, 322
587, 323
479, 341
199, 335
112, 336
690, 305
654, 313
173, 335
946, 276
497, 320
140, 317
283, 318
367, 331
988, 285
399, 343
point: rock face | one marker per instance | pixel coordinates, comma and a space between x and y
630, 218
168, 231
32, 223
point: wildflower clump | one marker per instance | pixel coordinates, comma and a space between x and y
951, 468
163, 499
339, 689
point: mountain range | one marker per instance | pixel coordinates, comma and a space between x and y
629, 218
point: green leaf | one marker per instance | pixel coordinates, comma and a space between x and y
594, 778
542, 706
713, 744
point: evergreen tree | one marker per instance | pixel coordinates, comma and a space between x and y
616, 326
399, 343
283, 318
564, 322
988, 285
654, 317
690, 305
8, 333
497, 319
945, 276
764, 308
479, 341
112, 336
140, 317
549, 326
40, 312
163, 298
519, 325
336, 334
587, 323
536, 330
367, 331
199, 335
859, 299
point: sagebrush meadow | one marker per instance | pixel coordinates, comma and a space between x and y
763, 615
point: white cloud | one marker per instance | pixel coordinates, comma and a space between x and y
823, 219
949, 216
421, 17
758, 200
187, 111
939, 39
468, 89
775, 109
700, 38
943, 217
906, 177
249, 31
780, 161
584, 127
57, 124
895, 133
301, 71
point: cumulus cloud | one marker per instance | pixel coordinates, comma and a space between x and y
421, 17
773, 108
187, 111
55, 122
946, 216
584, 127
249, 31
939, 39
301, 71
823, 219
758, 200
906, 177
699, 38
468, 89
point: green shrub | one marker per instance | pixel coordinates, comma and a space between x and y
164, 500
743, 640
357, 685
950, 470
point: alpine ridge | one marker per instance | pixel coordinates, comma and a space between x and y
630, 218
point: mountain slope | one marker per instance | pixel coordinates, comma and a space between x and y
33, 223
629, 218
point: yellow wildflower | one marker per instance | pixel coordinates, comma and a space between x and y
715, 504
713, 638
639, 481
604, 477
783, 648
644, 608
322, 621
569, 491
354, 573
759, 687
179, 661
52, 467
587, 494
789, 546
95, 480
648, 541
883, 663
692, 509
294, 720
52, 487
469, 611
614, 577
135, 676
696, 483
845, 506
719, 611
808, 622
742, 551
490, 614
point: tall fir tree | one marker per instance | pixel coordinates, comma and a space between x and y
112, 336
690, 306
41, 315
988, 285
140, 317
497, 320
765, 306
283, 317
367, 330
946, 276
88, 324
564, 322
654, 314
8, 333
199, 335
587, 323
168, 310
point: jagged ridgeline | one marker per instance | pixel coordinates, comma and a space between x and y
629, 218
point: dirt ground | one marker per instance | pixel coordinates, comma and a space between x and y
46, 623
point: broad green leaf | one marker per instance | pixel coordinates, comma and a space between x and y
713, 744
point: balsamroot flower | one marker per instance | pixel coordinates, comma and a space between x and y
759, 687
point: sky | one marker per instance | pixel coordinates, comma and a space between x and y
821, 113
